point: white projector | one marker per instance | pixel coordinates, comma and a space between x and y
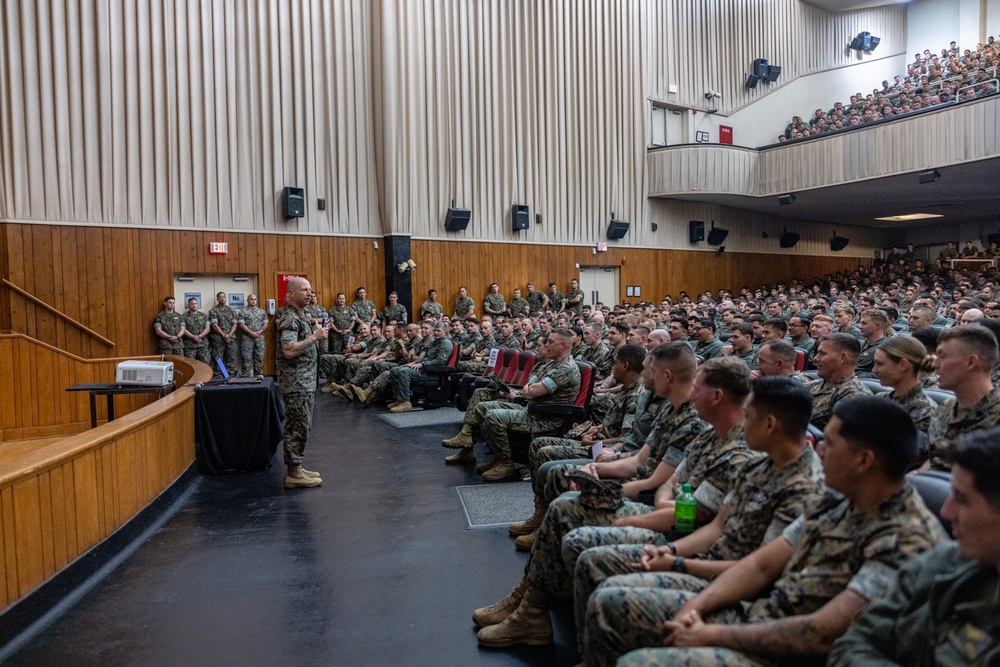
148, 373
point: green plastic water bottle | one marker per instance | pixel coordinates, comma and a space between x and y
685, 510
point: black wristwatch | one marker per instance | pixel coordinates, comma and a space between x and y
679, 565
672, 547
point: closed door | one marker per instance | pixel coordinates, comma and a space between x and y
205, 286
599, 284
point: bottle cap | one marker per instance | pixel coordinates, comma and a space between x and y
685, 488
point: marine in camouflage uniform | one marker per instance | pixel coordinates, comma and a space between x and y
535, 300
317, 315
297, 382
827, 394
223, 317
172, 324
436, 353
951, 421
364, 311
620, 416
431, 308
341, 317
464, 306
917, 403
711, 464
334, 366
575, 308
252, 349
864, 368
512, 341
370, 370
519, 307
602, 356
762, 503
834, 548
194, 324
557, 300
352, 365
495, 302
394, 313
478, 344
561, 378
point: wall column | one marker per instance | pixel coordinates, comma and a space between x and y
397, 251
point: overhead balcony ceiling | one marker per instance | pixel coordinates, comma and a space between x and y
850, 5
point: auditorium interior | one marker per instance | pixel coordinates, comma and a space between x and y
647, 146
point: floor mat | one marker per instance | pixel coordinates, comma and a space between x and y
498, 504
418, 418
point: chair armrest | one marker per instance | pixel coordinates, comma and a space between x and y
438, 370
557, 410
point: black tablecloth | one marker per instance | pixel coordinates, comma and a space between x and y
237, 427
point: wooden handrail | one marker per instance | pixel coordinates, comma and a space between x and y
57, 312
70, 355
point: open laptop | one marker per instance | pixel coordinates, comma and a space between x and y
228, 380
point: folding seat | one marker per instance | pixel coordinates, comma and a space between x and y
435, 395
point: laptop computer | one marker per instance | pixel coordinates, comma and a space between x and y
228, 380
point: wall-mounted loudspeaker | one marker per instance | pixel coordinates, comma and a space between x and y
293, 202
617, 229
838, 243
696, 231
520, 217
788, 240
457, 219
717, 236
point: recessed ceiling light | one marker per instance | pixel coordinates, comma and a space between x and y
910, 216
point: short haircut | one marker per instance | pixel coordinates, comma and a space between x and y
781, 349
979, 454
681, 322
843, 342
642, 329
679, 358
927, 336
756, 317
631, 355
979, 338
777, 323
577, 330
786, 399
440, 325
844, 309
621, 327
563, 334
707, 323
168, 298
730, 375
883, 426
876, 315
743, 328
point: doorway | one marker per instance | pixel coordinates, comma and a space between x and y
205, 286
599, 284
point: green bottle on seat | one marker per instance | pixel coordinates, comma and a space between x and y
685, 510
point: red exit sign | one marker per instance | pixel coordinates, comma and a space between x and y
218, 248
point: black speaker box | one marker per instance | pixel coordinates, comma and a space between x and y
760, 68
696, 230
752, 81
785, 200
717, 236
293, 203
838, 243
457, 219
773, 72
520, 217
788, 240
617, 229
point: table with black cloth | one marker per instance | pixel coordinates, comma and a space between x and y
238, 426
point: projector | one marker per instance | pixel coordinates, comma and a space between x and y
145, 373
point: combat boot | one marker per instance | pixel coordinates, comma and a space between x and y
497, 612
485, 465
403, 406
344, 391
366, 396
296, 478
525, 542
462, 440
530, 524
310, 473
329, 387
528, 624
464, 455
392, 405
504, 469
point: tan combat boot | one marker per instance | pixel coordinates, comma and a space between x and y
462, 440
528, 624
530, 524
329, 387
485, 465
392, 405
464, 455
310, 473
504, 469
525, 542
366, 396
344, 391
402, 406
497, 612
296, 478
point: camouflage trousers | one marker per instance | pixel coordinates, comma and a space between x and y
544, 450
166, 347
298, 421
498, 420
473, 417
335, 343
469, 366
351, 368
553, 480
402, 378
370, 371
323, 346
252, 350
225, 351
546, 569
202, 354
332, 367
381, 385
691, 657
596, 553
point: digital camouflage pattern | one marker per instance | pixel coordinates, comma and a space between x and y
173, 324
827, 394
951, 421
252, 349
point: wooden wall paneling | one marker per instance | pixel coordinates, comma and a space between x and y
8, 383
58, 499
46, 525
9, 544
28, 535
88, 528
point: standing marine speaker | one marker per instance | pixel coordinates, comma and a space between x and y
520, 217
696, 231
293, 203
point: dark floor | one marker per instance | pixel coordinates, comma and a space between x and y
376, 567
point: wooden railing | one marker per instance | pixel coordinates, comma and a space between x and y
60, 498
55, 311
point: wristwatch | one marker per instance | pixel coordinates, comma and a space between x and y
679, 565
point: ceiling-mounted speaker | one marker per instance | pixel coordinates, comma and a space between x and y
696, 231
929, 176
838, 243
457, 219
785, 200
717, 236
788, 239
617, 229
